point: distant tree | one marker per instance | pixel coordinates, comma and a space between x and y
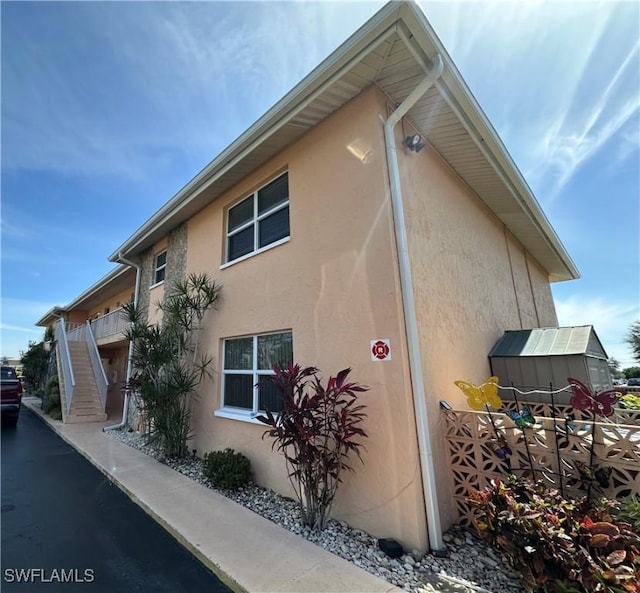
633, 339
614, 367
5, 360
34, 366
631, 372
49, 334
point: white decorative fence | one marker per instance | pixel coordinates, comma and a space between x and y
551, 450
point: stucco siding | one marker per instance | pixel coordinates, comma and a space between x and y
543, 297
113, 303
335, 285
471, 282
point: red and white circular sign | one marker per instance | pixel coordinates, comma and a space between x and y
380, 349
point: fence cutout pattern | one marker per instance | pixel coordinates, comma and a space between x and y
551, 450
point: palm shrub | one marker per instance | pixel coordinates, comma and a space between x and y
316, 431
168, 364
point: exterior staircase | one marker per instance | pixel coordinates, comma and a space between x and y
85, 404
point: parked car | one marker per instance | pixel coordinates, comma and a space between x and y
11, 392
635, 382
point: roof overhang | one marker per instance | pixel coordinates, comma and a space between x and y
392, 50
51, 316
119, 279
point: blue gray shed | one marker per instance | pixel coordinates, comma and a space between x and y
537, 358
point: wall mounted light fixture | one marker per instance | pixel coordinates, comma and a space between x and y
415, 142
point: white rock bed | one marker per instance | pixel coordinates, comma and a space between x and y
472, 565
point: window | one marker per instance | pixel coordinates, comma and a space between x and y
160, 267
8, 373
260, 220
246, 361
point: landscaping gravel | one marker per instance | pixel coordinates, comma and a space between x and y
472, 565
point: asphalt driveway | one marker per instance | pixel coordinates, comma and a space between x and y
62, 520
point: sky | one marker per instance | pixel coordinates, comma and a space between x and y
109, 108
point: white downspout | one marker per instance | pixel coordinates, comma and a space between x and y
410, 318
125, 404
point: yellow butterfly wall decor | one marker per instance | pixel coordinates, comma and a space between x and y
485, 395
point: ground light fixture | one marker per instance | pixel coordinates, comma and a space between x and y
415, 142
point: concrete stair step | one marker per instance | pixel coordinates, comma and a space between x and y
75, 419
85, 404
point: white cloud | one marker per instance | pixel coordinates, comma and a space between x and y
158, 82
17, 325
17, 328
559, 80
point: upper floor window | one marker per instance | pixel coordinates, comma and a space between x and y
160, 267
246, 361
260, 220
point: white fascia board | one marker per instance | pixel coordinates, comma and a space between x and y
95, 288
274, 119
452, 82
53, 312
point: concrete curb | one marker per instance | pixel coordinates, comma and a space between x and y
177, 535
247, 552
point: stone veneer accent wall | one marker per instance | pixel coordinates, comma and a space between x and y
176, 265
177, 254
175, 270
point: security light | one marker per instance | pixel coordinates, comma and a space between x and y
415, 142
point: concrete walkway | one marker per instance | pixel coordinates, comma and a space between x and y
246, 551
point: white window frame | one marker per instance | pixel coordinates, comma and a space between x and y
157, 268
245, 414
255, 221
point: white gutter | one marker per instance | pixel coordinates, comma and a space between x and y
410, 317
125, 404
304, 93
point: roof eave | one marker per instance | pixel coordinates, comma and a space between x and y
558, 263
50, 315
487, 136
116, 273
266, 125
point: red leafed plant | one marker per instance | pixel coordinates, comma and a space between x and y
316, 431
556, 544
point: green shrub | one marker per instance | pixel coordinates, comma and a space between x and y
630, 401
630, 511
558, 544
51, 404
227, 469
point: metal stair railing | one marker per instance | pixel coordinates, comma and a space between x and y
65, 364
96, 364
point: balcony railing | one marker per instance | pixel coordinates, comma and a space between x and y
111, 324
